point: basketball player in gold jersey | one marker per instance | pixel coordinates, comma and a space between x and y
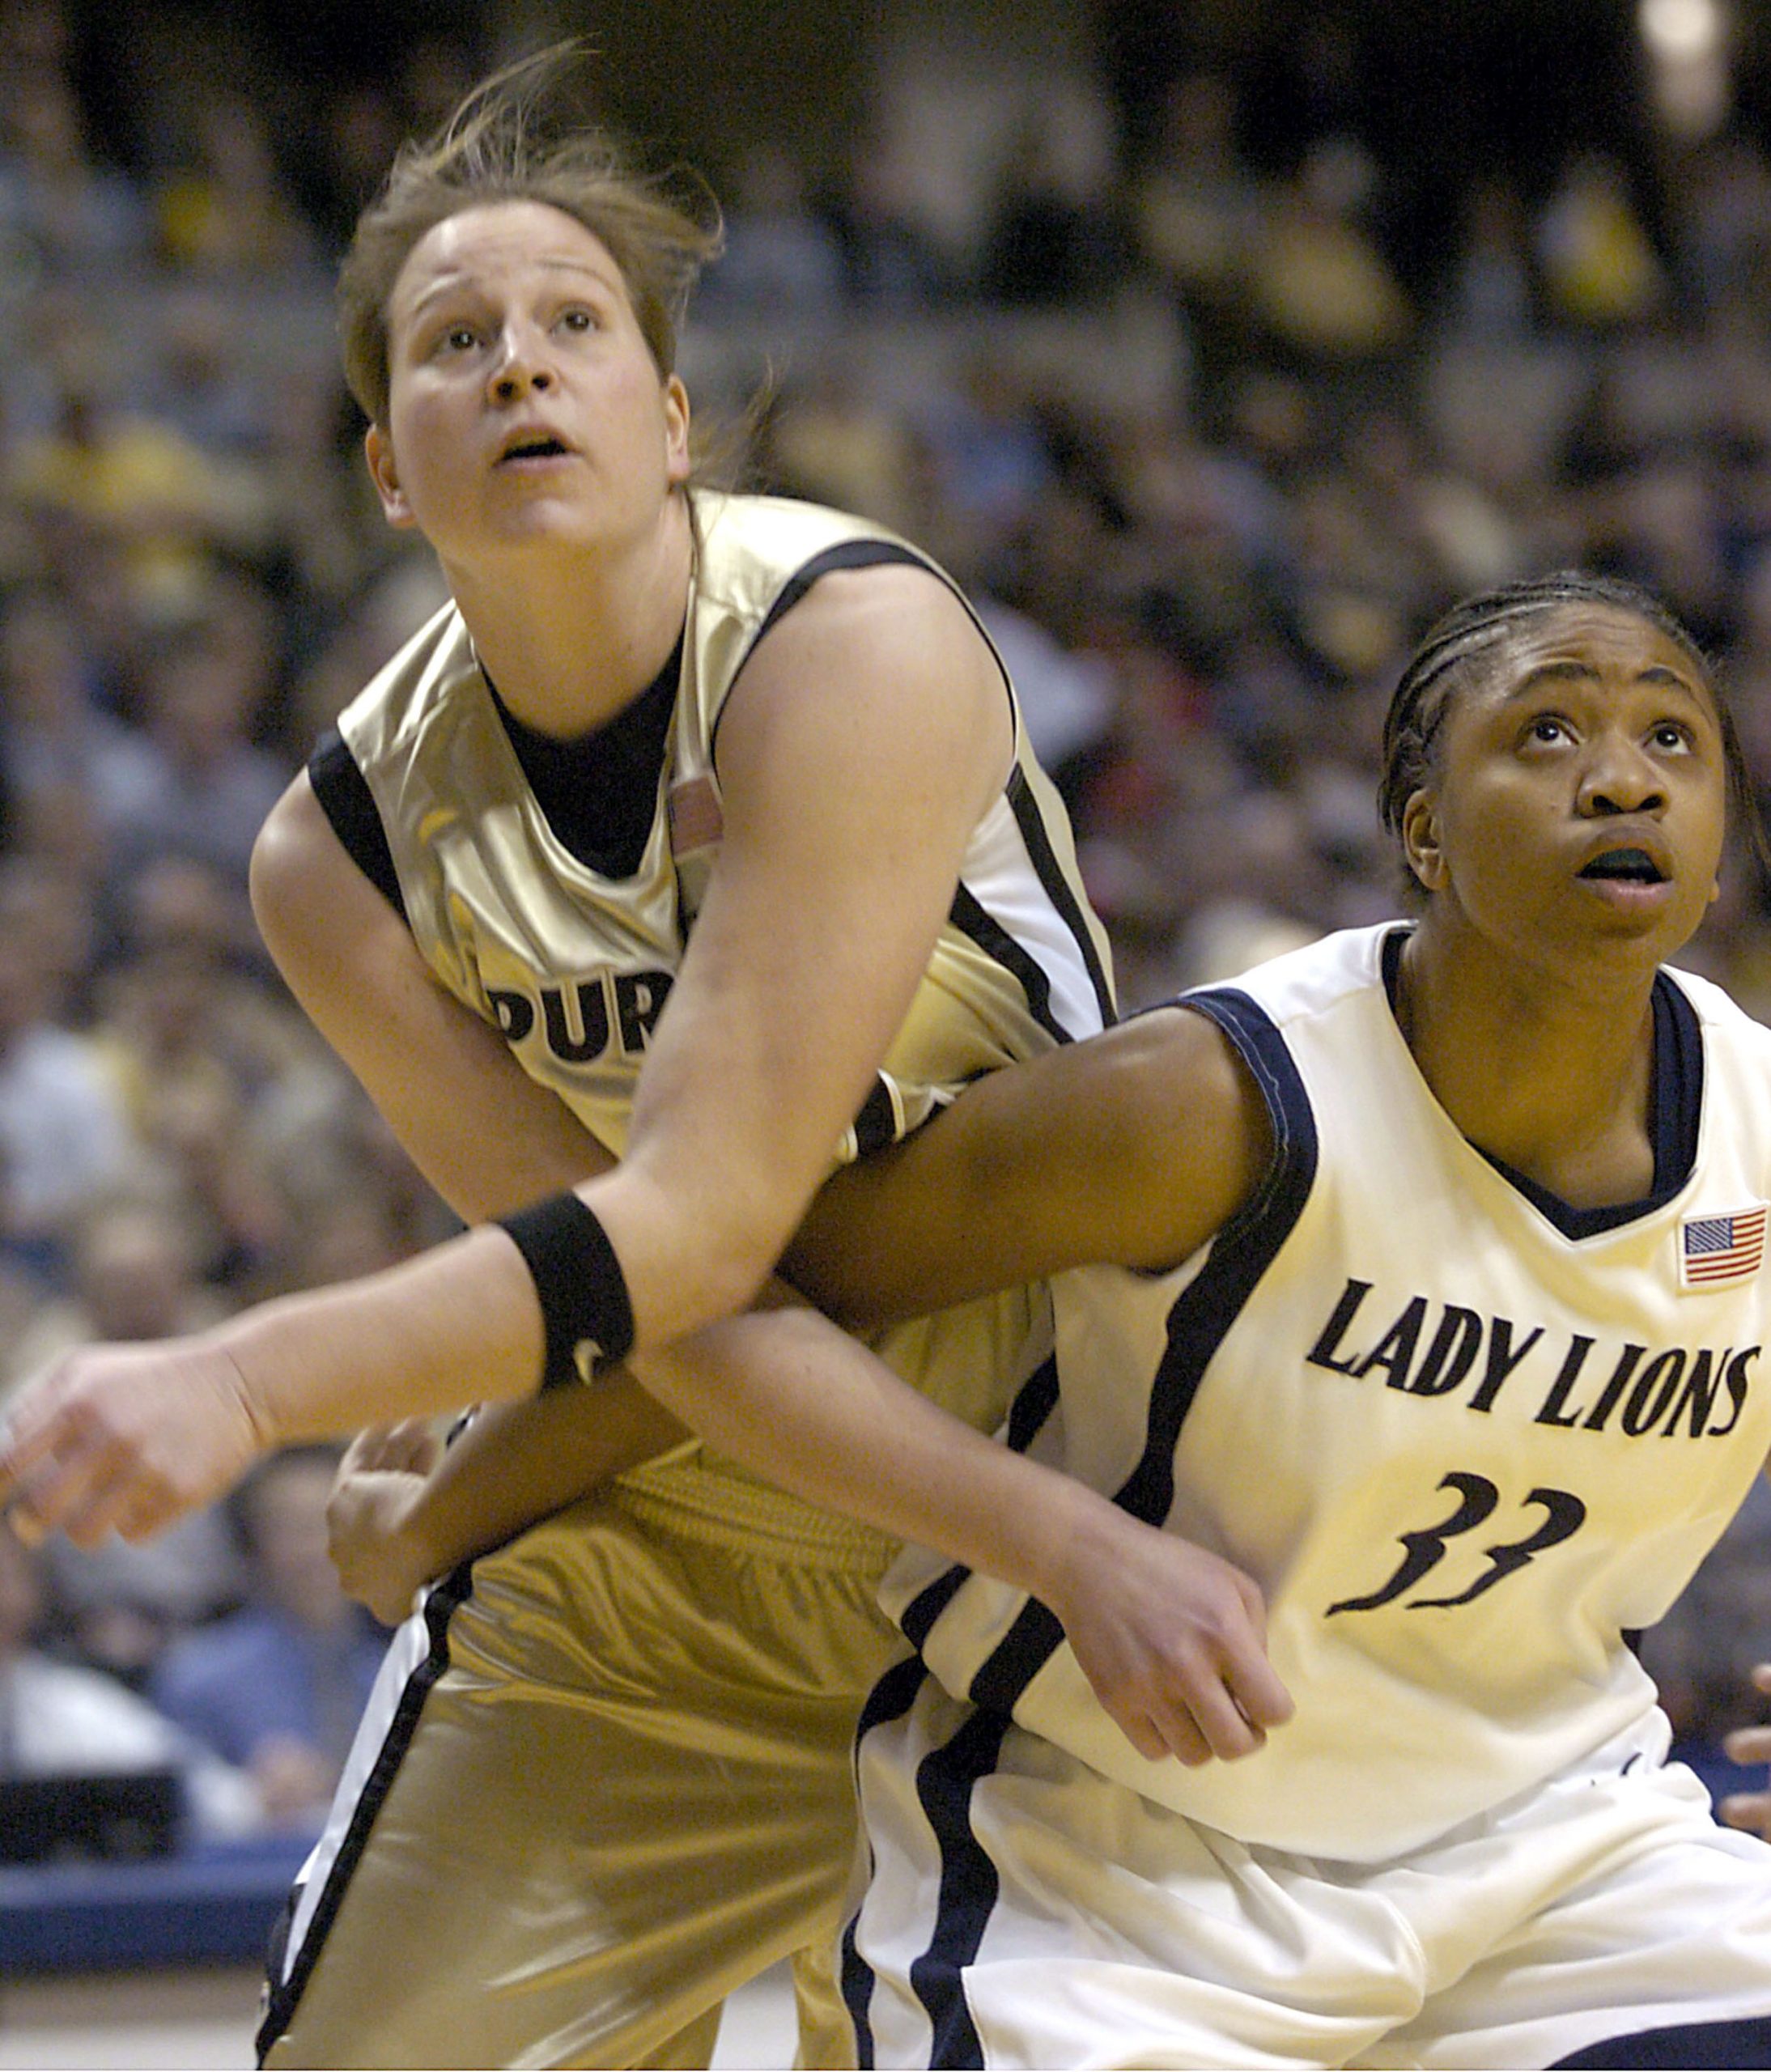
605, 1777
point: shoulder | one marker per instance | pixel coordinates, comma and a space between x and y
1719, 1011
1171, 1073
776, 559
438, 655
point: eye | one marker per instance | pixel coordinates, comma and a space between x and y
457, 338
1671, 736
578, 319
1545, 728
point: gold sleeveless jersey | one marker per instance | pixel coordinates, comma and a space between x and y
574, 967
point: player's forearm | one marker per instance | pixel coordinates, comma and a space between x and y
795, 1399
520, 1462
459, 1324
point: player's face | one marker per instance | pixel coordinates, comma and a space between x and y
524, 405
1578, 803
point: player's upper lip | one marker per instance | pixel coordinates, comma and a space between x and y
535, 440
1635, 854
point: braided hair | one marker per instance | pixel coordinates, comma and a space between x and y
1452, 649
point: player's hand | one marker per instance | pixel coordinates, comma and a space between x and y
1751, 1809
126, 1438
294, 1781
1173, 1640
369, 1517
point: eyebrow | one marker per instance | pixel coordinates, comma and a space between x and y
1572, 672
454, 281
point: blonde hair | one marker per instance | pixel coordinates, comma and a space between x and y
500, 145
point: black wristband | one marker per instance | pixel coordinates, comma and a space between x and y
585, 1313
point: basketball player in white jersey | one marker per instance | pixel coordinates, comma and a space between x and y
1446, 1325
1438, 1306
1444, 1322
605, 1777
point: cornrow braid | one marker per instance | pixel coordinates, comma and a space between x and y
1446, 656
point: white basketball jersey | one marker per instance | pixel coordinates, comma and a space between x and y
1464, 1437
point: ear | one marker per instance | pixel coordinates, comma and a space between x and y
1420, 841
678, 462
378, 450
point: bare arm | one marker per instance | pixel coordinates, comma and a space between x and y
351, 961
864, 742
1132, 1147
1171, 1637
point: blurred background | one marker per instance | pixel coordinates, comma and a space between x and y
1215, 347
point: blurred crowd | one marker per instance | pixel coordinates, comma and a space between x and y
1204, 437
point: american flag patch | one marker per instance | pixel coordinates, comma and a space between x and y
1713, 1248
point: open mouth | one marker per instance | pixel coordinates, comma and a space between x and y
1629, 866
542, 447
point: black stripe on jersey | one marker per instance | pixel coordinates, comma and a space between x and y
1721, 2044
1034, 1401
918, 1617
1200, 1319
847, 554
995, 941
284, 1997
1058, 888
349, 804
945, 1781
890, 1698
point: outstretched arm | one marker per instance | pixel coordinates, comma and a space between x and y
1132, 1147
1170, 1636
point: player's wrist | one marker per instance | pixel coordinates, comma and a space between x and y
587, 1316
247, 1388
1061, 1539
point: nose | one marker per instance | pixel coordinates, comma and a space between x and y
521, 367
1618, 778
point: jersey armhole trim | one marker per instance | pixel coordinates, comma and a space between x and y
349, 805
853, 553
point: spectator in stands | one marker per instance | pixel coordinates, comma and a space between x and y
120, 1604
64, 1139
226, 208
1320, 283
1600, 268
210, 786
57, 1719
277, 1688
55, 198
65, 760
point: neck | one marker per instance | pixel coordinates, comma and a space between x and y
571, 637
1549, 1073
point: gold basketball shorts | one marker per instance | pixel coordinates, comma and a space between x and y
605, 1779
